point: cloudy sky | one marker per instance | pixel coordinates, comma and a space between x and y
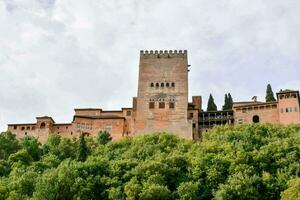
56, 55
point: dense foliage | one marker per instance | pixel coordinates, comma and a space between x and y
242, 162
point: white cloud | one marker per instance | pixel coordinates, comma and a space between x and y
57, 55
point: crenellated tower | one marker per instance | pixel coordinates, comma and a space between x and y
162, 99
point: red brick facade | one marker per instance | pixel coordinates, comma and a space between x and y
161, 105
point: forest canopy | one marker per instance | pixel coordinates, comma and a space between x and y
240, 162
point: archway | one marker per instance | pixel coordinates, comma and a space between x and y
43, 125
255, 119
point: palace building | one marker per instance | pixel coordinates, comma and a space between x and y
162, 104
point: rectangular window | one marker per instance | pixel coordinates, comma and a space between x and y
287, 110
108, 128
171, 105
161, 105
151, 105
191, 115
291, 109
128, 113
296, 110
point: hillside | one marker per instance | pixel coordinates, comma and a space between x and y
242, 162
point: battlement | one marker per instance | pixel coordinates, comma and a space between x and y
163, 54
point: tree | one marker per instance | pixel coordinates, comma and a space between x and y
31, 145
8, 144
269, 94
211, 106
293, 191
82, 149
227, 102
230, 101
225, 106
103, 137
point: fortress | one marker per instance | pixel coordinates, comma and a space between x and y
162, 105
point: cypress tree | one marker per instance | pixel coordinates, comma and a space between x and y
82, 149
230, 101
225, 106
211, 106
269, 94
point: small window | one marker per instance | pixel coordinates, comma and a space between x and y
296, 110
194, 125
67, 127
167, 84
15, 127
43, 125
161, 105
23, 128
282, 110
71, 133
171, 105
128, 113
28, 128
25, 133
162, 85
151, 105
152, 84
173, 84
157, 84
191, 115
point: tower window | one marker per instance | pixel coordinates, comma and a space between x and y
162, 85
152, 84
173, 84
43, 125
157, 84
167, 84
171, 105
161, 105
255, 119
151, 105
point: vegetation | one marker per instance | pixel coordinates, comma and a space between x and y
211, 106
241, 162
269, 94
228, 102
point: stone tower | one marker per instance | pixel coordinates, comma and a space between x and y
162, 101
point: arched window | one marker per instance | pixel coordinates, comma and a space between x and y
157, 84
152, 84
167, 84
255, 119
173, 84
43, 125
162, 85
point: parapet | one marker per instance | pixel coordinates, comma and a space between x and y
163, 54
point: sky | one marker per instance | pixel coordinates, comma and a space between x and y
57, 55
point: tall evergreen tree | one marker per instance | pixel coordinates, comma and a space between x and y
225, 106
269, 94
230, 101
82, 149
211, 106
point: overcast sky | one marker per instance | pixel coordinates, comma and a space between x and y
57, 55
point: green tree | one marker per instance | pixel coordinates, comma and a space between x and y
269, 94
32, 146
155, 191
230, 101
8, 144
293, 191
103, 137
225, 106
82, 149
211, 106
